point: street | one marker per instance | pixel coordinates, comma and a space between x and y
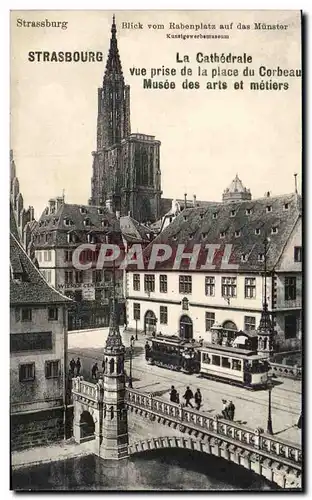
251, 406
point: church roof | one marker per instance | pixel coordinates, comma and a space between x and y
236, 186
244, 224
27, 285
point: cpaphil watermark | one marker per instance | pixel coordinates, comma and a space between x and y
198, 257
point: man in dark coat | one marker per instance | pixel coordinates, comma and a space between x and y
198, 399
188, 396
173, 394
231, 410
72, 366
78, 366
94, 370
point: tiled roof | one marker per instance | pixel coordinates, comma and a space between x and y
243, 224
13, 224
133, 231
27, 285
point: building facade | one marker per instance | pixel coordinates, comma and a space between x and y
38, 352
188, 302
126, 167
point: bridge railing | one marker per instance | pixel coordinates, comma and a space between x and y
215, 426
88, 389
294, 372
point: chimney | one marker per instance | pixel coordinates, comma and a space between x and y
296, 188
59, 202
268, 194
194, 200
117, 214
52, 204
185, 202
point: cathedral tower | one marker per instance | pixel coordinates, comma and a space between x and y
126, 172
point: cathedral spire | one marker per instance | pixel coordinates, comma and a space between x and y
113, 64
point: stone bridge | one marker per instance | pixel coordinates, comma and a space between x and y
154, 424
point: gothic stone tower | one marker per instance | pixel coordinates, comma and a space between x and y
126, 172
114, 439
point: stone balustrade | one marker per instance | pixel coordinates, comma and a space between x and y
253, 440
294, 372
89, 390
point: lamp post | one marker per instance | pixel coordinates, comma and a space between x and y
269, 424
130, 374
136, 328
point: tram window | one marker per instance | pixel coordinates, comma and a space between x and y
226, 363
216, 360
236, 364
206, 358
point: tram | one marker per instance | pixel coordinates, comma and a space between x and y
236, 366
173, 353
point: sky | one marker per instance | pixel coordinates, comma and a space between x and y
207, 136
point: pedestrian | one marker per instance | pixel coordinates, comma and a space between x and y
198, 399
94, 371
147, 350
224, 408
78, 366
201, 341
231, 410
188, 396
173, 394
299, 423
178, 398
72, 366
103, 365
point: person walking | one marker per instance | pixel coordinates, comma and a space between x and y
198, 399
231, 410
224, 408
178, 398
188, 396
173, 394
94, 371
72, 366
78, 367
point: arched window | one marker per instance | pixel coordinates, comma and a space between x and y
112, 412
120, 366
112, 365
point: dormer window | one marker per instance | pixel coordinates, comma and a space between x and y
274, 230
222, 234
248, 211
244, 257
83, 210
185, 217
67, 222
100, 211
269, 208
91, 238
204, 236
174, 237
237, 234
286, 206
233, 213
104, 223
257, 231
260, 257
215, 215
201, 216
87, 222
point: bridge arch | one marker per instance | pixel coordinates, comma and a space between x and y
87, 426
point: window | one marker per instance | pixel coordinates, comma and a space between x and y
236, 364
26, 314
257, 231
185, 304
149, 282
68, 255
250, 323
52, 369
228, 287
83, 210
163, 285
210, 320
52, 313
250, 288
47, 255
286, 206
290, 326
79, 277
274, 230
97, 276
39, 341
298, 254
248, 211
269, 208
226, 363
244, 257
87, 222
27, 372
185, 284
163, 316
290, 288
39, 256
67, 222
68, 277
136, 311
209, 286
233, 213
46, 274
222, 234
260, 257
215, 215
136, 282
215, 360
237, 234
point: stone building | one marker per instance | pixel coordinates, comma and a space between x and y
126, 166
38, 352
188, 302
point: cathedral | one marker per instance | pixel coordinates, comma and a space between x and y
126, 174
